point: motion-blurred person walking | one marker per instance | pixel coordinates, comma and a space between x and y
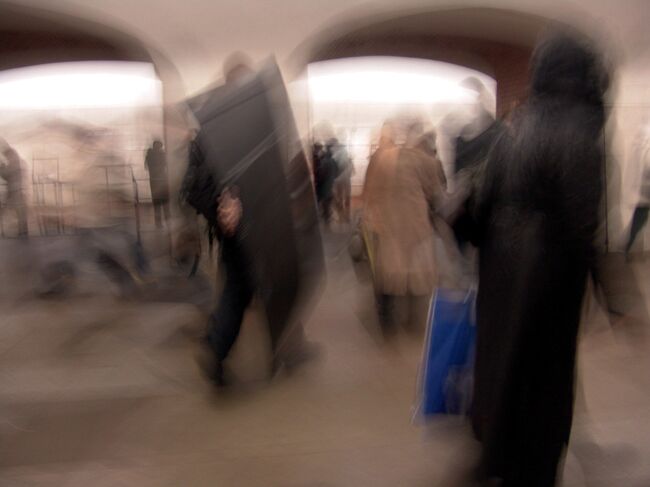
225, 210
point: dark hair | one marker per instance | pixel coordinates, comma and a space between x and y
557, 132
565, 64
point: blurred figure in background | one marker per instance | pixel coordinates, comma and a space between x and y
12, 173
535, 219
342, 183
402, 186
471, 148
640, 216
427, 144
327, 173
316, 156
155, 162
476, 136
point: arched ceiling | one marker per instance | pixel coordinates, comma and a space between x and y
197, 36
31, 36
467, 36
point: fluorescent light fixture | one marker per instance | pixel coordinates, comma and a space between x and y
390, 80
98, 84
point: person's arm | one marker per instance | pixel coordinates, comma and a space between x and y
430, 180
478, 191
146, 159
441, 174
229, 211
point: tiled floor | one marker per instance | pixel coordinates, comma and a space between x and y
98, 392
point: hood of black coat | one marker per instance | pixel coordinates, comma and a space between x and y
568, 66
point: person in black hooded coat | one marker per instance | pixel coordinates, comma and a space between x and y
534, 221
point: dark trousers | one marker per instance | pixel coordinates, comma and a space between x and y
342, 195
411, 311
225, 321
386, 313
638, 222
160, 206
326, 208
21, 215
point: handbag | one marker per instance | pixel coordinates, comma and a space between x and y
446, 374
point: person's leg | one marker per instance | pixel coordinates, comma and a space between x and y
165, 206
417, 313
291, 348
225, 322
638, 221
339, 201
21, 215
156, 210
386, 312
140, 257
335, 207
327, 208
535, 465
347, 195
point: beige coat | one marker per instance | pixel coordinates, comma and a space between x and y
402, 187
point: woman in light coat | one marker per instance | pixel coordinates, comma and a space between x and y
402, 187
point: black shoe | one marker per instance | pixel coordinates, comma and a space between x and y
293, 360
211, 366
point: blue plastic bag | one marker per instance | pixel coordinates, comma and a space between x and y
445, 384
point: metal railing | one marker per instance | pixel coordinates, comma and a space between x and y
55, 203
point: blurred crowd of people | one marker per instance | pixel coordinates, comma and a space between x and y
526, 194
519, 212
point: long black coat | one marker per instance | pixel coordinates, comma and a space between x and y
535, 219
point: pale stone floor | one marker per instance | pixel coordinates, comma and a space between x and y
95, 391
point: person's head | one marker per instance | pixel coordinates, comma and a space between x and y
11, 156
236, 66
387, 135
332, 143
473, 83
157, 145
413, 133
484, 100
565, 65
427, 143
